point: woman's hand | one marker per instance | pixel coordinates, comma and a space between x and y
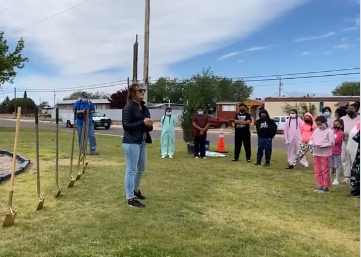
148, 122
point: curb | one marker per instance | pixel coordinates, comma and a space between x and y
22, 167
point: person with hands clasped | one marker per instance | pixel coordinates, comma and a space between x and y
167, 138
242, 133
79, 107
335, 160
137, 124
200, 122
322, 141
292, 136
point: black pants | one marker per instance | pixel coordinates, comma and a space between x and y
245, 139
264, 145
200, 146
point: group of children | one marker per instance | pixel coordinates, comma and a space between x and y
333, 142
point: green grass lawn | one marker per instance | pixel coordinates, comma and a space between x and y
211, 208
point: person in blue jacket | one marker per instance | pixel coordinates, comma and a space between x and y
167, 140
80, 106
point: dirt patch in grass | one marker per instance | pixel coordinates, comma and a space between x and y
194, 207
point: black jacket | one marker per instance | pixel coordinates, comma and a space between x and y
266, 128
133, 123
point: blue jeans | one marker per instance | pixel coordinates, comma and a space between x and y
91, 136
264, 145
135, 158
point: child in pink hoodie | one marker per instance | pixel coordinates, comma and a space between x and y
335, 160
322, 139
307, 128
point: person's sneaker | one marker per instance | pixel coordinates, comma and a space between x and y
196, 157
354, 193
267, 164
163, 156
234, 160
139, 195
324, 190
249, 160
171, 156
135, 203
257, 163
204, 157
289, 167
94, 153
317, 190
335, 182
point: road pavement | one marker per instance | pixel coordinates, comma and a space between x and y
116, 130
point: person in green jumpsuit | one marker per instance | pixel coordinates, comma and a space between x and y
167, 140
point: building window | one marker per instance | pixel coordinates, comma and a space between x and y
228, 108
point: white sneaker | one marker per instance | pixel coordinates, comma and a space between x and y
196, 157
335, 182
171, 156
163, 156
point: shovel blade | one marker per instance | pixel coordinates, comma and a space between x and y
9, 219
78, 176
71, 184
58, 194
40, 204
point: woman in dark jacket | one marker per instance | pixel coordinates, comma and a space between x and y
137, 124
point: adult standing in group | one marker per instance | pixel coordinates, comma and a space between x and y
137, 124
327, 112
292, 136
167, 138
200, 122
349, 122
80, 106
242, 133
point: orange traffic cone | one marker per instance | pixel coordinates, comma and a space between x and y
221, 148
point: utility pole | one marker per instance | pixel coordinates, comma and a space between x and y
135, 61
54, 99
128, 82
280, 84
146, 49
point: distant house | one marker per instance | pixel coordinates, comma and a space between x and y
99, 104
227, 110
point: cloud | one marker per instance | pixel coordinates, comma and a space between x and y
240, 61
96, 37
315, 37
327, 52
226, 56
255, 48
344, 39
305, 53
356, 25
342, 46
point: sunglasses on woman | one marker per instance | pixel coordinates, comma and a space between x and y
141, 90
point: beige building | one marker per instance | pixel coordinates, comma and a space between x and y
99, 104
277, 106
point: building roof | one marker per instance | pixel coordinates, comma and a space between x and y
255, 101
313, 99
94, 101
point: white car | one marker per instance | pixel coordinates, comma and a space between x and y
280, 121
99, 120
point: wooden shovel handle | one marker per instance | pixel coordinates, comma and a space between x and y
13, 168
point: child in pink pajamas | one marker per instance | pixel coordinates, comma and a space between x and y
322, 139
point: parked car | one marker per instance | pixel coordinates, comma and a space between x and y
215, 122
99, 120
281, 122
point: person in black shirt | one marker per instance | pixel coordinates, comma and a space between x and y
266, 131
242, 134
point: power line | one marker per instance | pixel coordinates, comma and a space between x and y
50, 17
7, 8
304, 77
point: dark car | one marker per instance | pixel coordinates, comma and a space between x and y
215, 122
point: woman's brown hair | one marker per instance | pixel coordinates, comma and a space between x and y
132, 90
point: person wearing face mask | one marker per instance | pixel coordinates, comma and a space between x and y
307, 127
167, 140
340, 112
322, 141
200, 122
242, 133
292, 136
349, 121
326, 112
266, 131
80, 106
355, 170
335, 160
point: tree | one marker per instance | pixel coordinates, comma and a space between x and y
118, 99
347, 89
241, 91
165, 90
4, 104
9, 61
301, 108
27, 105
77, 94
25, 95
43, 104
